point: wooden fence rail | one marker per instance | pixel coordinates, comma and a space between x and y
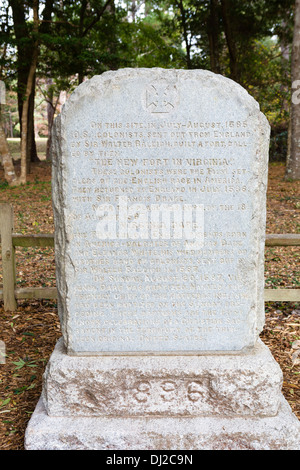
9, 240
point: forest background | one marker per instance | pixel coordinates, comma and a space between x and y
49, 47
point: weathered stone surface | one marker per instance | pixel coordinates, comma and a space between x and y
220, 385
281, 432
175, 319
155, 136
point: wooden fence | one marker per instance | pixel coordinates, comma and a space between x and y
9, 240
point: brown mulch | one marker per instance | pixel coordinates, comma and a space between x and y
30, 332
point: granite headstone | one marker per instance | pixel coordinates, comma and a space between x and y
159, 199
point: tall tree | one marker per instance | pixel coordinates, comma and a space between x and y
24, 41
29, 91
184, 13
231, 40
213, 31
293, 161
5, 155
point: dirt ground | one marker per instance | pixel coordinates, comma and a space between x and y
30, 333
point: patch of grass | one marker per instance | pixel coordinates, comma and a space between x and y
4, 185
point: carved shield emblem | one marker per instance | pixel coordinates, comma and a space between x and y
161, 97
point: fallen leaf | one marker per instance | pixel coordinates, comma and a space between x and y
295, 358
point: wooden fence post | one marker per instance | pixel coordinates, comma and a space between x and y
8, 256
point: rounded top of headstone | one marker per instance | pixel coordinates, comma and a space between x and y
201, 81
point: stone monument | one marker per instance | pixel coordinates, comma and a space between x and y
159, 188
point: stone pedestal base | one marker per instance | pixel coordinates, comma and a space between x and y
281, 432
163, 402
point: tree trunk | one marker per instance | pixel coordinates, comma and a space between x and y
7, 161
234, 72
185, 34
29, 88
24, 60
293, 162
24, 135
50, 116
32, 155
212, 31
112, 50
31, 151
133, 10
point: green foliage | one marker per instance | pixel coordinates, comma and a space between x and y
247, 41
21, 363
266, 76
278, 144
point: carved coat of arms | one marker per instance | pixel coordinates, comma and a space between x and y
161, 97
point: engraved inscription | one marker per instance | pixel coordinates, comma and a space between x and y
142, 392
153, 159
195, 391
167, 391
